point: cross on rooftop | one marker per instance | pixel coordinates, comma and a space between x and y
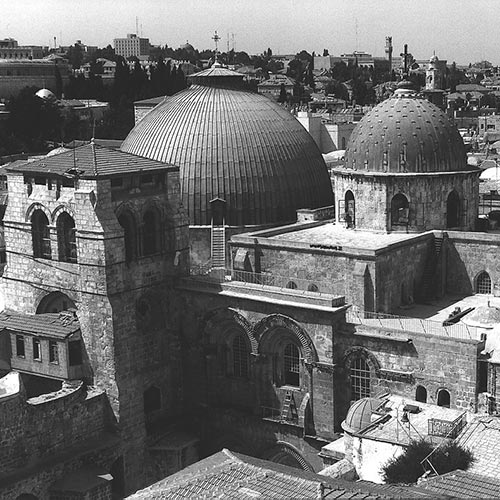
216, 39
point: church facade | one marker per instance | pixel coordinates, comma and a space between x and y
262, 356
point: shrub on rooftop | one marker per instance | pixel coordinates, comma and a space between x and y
407, 468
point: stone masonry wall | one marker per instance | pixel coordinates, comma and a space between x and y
468, 255
37, 428
430, 361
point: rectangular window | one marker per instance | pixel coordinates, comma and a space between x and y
37, 351
53, 352
20, 346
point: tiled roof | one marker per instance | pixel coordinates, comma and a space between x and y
482, 438
231, 475
463, 484
52, 325
91, 161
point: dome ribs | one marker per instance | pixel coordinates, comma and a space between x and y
239, 146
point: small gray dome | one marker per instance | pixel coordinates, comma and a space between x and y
406, 133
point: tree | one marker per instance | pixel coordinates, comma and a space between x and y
283, 95
407, 467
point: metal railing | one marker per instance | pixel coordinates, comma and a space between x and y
446, 428
408, 324
264, 279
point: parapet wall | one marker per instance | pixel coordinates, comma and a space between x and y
31, 429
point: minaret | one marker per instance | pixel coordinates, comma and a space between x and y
433, 76
388, 51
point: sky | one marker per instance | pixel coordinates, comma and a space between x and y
456, 30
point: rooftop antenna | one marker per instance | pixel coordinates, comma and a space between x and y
136, 25
356, 27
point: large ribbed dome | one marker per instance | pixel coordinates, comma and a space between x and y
406, 133
234, 145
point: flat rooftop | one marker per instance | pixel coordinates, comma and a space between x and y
331, 235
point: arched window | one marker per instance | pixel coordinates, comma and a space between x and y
399, 210
150, 232
40, 234
453, 210
291, 365
313, 288
360, 379
443, 398
66, 237
350, 209
55, 302
127, 222
240, 357
421, 394
292, 285
483, 283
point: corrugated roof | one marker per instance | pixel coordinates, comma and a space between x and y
91, 161
52, 325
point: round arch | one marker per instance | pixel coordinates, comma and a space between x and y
286, 454
482, 283
360, 352
453, 210
421, 394
225, 316
264, 328
443, 397
55, 302
350, 208
399, 210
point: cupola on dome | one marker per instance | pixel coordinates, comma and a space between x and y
234, 145
406, 133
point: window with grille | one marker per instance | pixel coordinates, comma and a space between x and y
360, 379
40, 234
66, 236
483, 284
291, 365
240, 357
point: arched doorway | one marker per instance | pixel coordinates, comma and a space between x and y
453, 210
399, 210
443, 398
350, 209
421, 394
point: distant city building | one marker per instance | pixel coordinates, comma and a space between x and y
132, 46
362, 59
10, 49
17, 74
272, 87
